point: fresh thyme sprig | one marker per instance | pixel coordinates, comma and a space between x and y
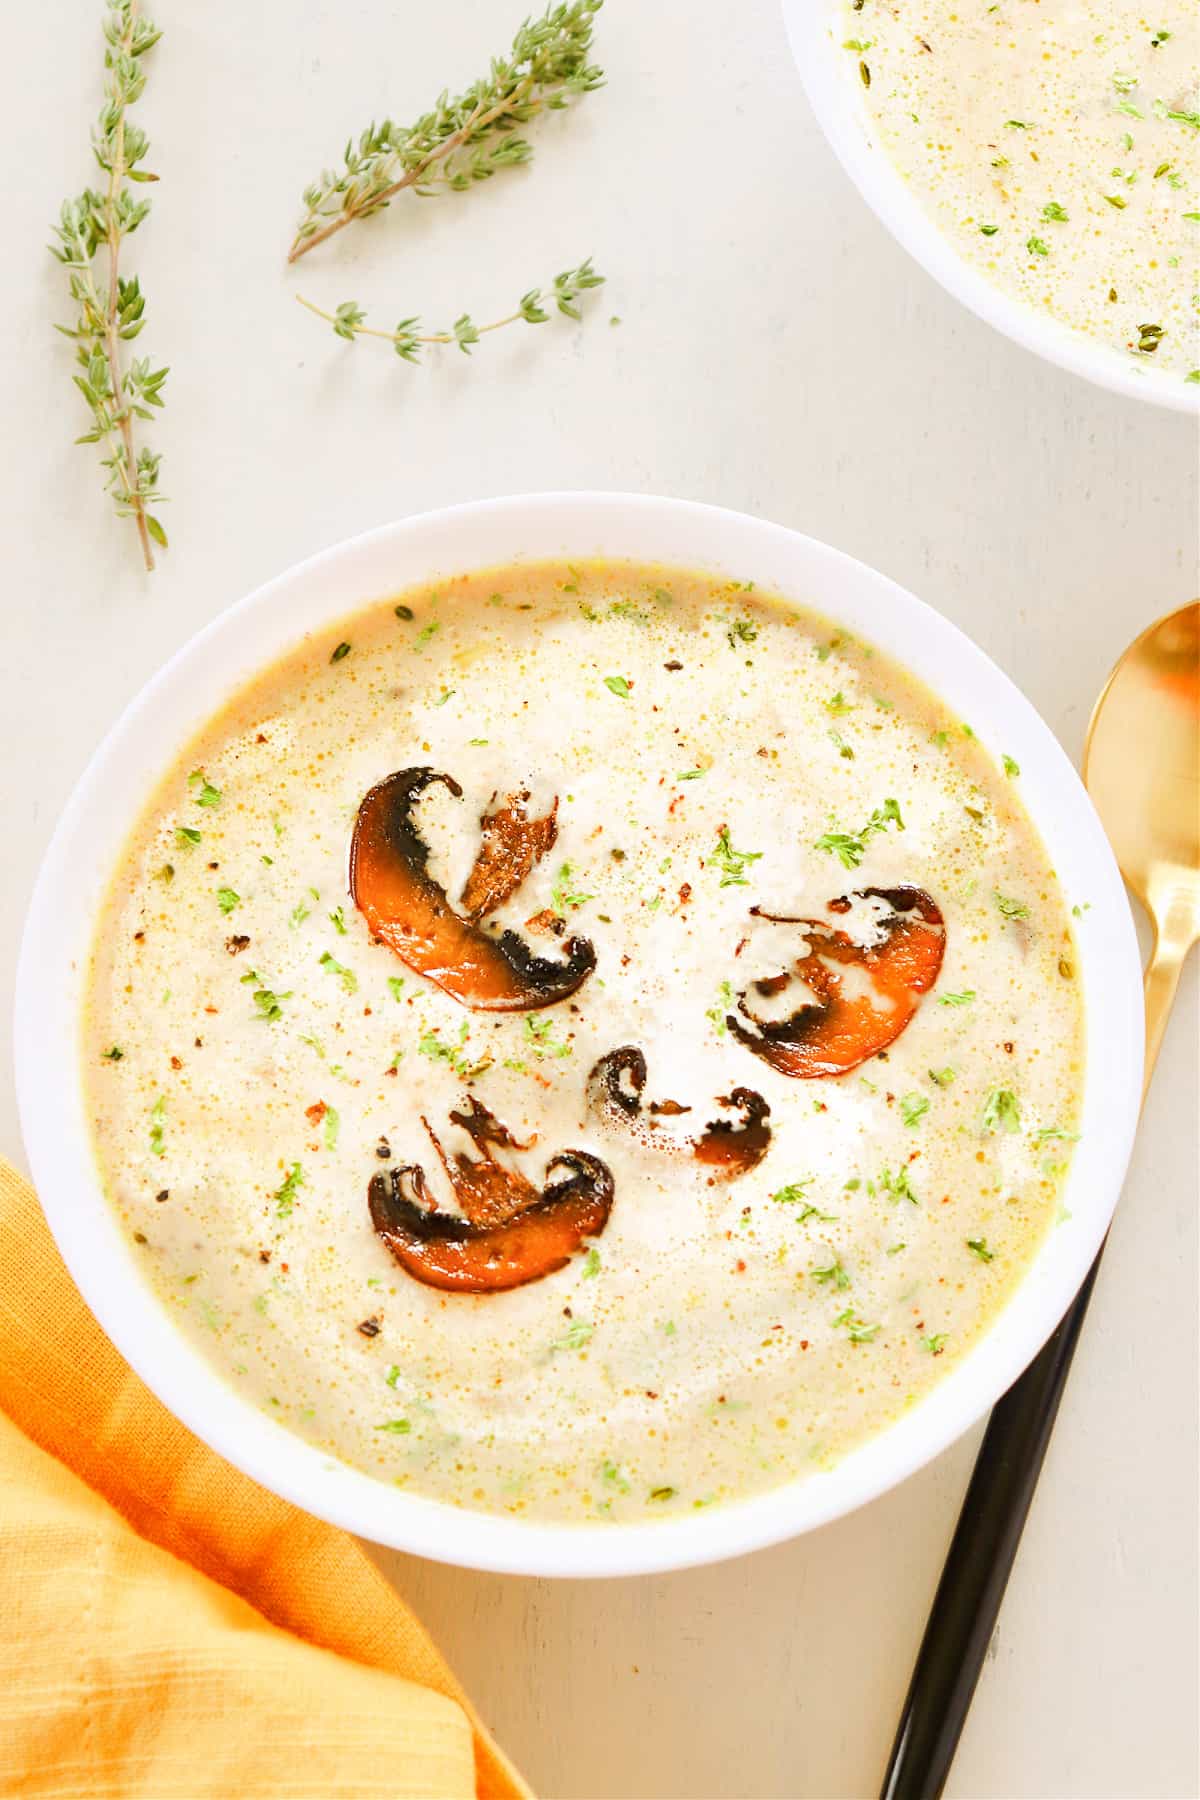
461, 141
111, 311
408, 339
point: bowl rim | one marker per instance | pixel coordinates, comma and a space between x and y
313, 595
842, 116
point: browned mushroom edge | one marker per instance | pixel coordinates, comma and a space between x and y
407, 910
832, 1032
508, 1232
730, 1147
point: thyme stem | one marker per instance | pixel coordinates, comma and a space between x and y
546, 67
349, 320
110, 314
393, 337
479, 121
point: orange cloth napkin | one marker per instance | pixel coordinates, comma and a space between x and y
167, 1628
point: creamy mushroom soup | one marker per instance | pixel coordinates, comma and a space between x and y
1057, 145
585, 1042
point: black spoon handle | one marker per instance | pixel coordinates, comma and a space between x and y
982, 1553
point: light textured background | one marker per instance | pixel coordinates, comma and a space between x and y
777, 353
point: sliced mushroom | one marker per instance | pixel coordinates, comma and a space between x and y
513, 844
407, 910
846, 1020
509, 1232
728, 1146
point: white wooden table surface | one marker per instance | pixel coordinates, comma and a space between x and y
777, 353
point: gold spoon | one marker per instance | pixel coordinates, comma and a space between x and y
1141, 764
1142, 768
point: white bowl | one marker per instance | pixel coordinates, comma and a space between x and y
195, 683
816, 29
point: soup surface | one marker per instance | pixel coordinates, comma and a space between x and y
806, 896
1057, 145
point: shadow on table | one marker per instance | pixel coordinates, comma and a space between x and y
778, 1674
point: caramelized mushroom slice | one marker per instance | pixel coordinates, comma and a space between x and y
513, 844
728, 1146
850, 1017
407, 910
508, 1232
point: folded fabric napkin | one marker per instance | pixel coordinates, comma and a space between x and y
168, 1629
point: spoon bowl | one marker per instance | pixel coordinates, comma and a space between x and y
1142, 769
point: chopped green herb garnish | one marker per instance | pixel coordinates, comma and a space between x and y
267, 1002
942, 1077
690, 774
1010, 766
1037, 246
1055, 1132
851, 847
716, 1015
337, 919
838, 704
578, 1333
741, 632
1001, 1111
227, 899
979, 1247
187, 837
1011, 909
563, 898
432, 1045
333, 1125
208, 795
732, 863
1052, 210
963, 999
989, 230
342, 649
158, 1113
398, 1427
347, 977
591, 1264
426, 632
898, 1186
833, 1274
285, 1195
113, 1054
935, 1344
395, 986
857, 1331
614, 1476
913, 1108
663, 1493
617, 684
538, 1032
